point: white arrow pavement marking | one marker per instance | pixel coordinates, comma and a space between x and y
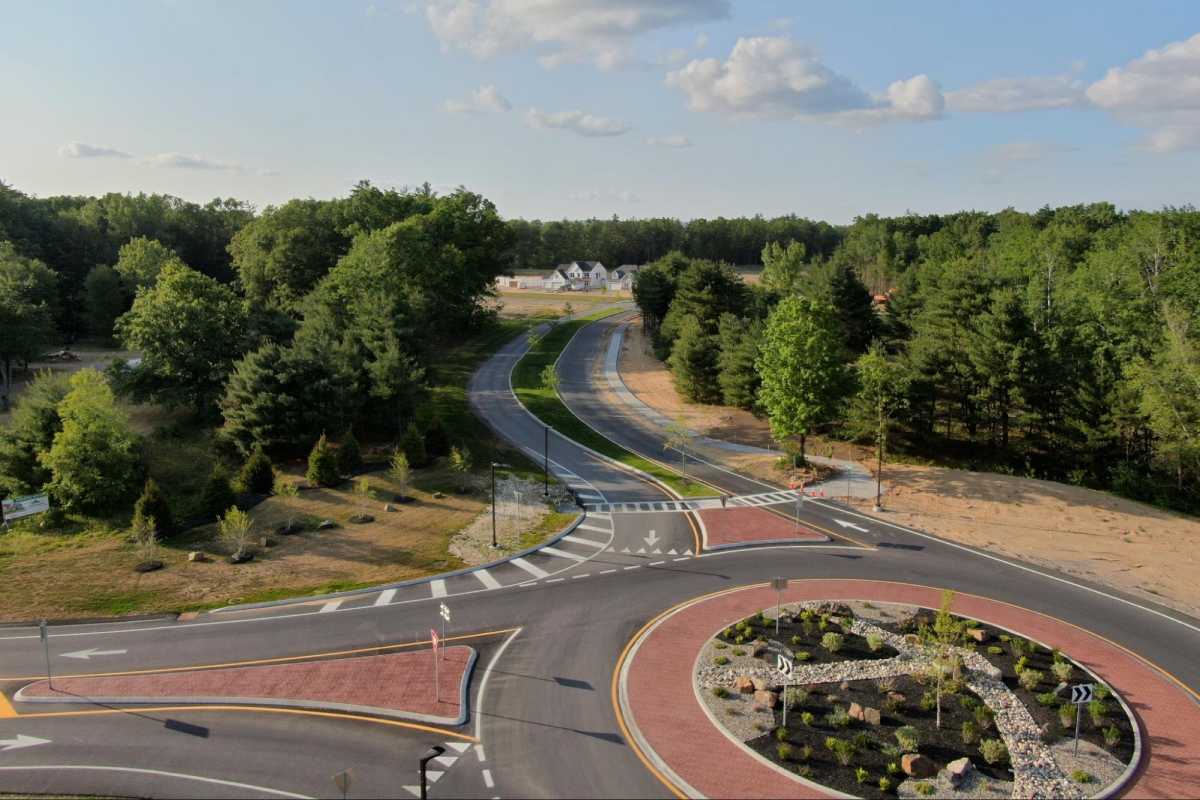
652, 539
845, 524
460, 747
446, 761
415, 791
92, 651
432, 775
21, 741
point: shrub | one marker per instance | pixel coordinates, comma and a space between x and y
739, 639
322, 464
727, 633
907, 738
823, 622
861, 775
1066, 715
257, 476
1096, 710
1020, 646
784, 751
797, 640
802, 655
807, 718
1102, 691
885, 784
795, 696
737, 651
832, 642
967, 702
153, 505
218, 494
1062, 670
437, 443
838, 718
970, 732
781, 734
995, 650
984, 717
874, 642
1047, 699
1004, 637
720, 661
893, 768
928, 701
889, 750
349, 455
1021, 665
1081, 776
720, 646
925, 788
890, 704
237, 531
805, 752
720, 692
843, 750
413, 445
994, 751
1112, 735
1030, 678
807, 624
885, 685
804, 771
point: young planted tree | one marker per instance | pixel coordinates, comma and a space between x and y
144, 531
437, 443
882, 392
257, 475
237, 532
678, 439
364, 493
801, 369
549, 378
401, 473
460, 464
218, 492
322, 464
413, 445
153, 505
287, 492
941, 641
349, 455
568, 310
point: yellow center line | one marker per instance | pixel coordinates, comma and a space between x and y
261, 661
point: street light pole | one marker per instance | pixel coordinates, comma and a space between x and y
430, 755
493, 506
546, 460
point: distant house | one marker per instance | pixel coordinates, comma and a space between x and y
621, 278
556, 280
585, 274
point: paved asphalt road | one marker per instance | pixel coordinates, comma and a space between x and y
545, 720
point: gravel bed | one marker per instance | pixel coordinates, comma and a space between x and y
1102, 765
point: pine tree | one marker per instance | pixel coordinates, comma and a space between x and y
218, 496
437, 442
257, 475
153, 504
349, 455
322, 464
737, 376
693, 363
413, 445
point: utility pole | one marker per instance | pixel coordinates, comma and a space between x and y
494, 465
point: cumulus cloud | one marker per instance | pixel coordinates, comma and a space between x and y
564, 31
669, 141
576, 122
485, 99
1019, 94
777, 77
83, 150
1159, 91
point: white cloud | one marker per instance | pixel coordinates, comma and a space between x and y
1018, 94
196, 162
83, 150
577, 122
1159, 91
775, 76
669, 141
622, 196
564, 31
485, 99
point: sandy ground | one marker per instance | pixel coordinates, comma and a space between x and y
522, 303
89, 356
515, 516
1130, 546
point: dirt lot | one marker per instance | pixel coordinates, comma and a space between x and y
521, 303
89, 356
1130, 546
91, 573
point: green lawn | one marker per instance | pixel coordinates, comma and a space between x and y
546, 405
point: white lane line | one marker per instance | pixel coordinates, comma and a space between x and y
588, 496
530, 583
656, 563
486, 578
479, 753
483, 685
385, 597
578, 540
556, 580
681, 558
332, 605
635, 566
487, 779
530, 568
554, 551
438, 587
577, 577
606, 572
161, 773
586, 527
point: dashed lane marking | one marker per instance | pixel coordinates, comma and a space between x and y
487, 779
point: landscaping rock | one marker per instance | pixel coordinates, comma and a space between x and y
759, 648
978, 634
289, 529
148, 566
760, 685
362, 519
856, 711
326, 524
743, 685
266, 541
766, 699
871, 716
844, 686
439, 495
197, 557
388, 507
916, 765
958, 770
896, 697
241, 558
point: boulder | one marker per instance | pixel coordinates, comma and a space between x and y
388, 507
197, 556
758, 648
439, 495
743, 685
362, 519
844, 686
896, 697
766, 699
856, 712
978, 634
326, 524
958, 770
871, 716
916, 765
241, 558
266, 541
759, 684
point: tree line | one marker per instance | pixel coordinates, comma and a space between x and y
1062, 344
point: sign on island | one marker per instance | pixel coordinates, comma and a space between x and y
27, 506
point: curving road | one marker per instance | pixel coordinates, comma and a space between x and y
553, 628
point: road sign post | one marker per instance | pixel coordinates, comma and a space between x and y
44, 633
437, 684
784, 665
445, 614
1081, 693
546, 460
430, 755
342, 782
778, 584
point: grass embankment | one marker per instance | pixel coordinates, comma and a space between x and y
547, 406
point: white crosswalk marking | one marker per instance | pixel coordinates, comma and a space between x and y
554, 551
578, 540
438, 588
585, 527
385, 597
530, 568
486, 578
487, 779
332, 605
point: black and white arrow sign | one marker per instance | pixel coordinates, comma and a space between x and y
784, 665
1082, 693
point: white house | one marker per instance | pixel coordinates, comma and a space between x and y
621, 278
585, 274
556, 280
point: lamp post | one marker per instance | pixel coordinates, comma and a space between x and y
430, 755
546, 460
494, 465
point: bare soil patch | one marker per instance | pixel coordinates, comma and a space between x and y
90, 356
525, 303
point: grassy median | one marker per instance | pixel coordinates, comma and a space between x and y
546, 405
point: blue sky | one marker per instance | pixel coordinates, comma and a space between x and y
575, 108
